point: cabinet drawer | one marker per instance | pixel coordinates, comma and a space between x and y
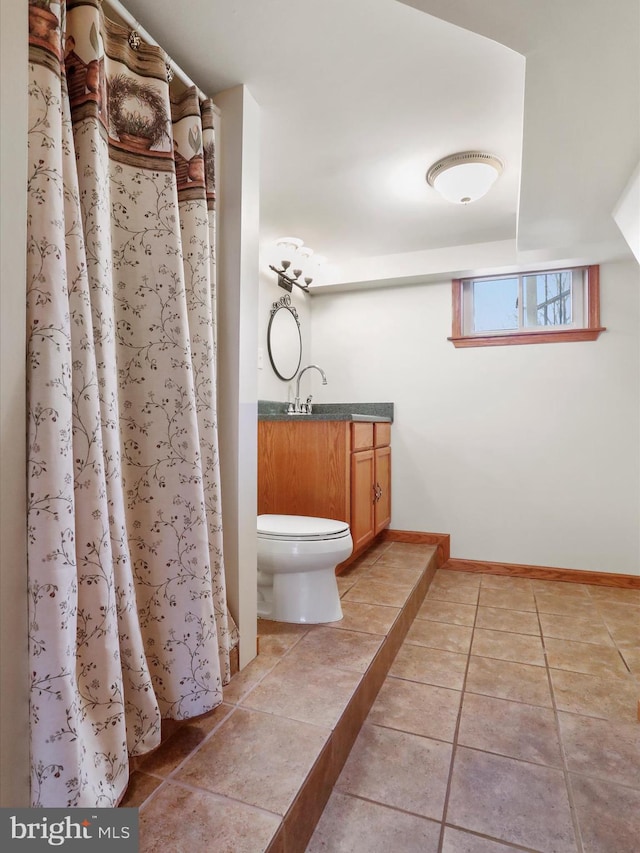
382, 434
361, 436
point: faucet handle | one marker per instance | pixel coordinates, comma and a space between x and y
308, 404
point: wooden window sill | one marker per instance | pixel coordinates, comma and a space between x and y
515, 338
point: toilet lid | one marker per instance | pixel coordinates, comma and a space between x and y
300, 527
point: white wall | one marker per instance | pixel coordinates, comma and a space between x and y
524, 454
14, 709
237, 267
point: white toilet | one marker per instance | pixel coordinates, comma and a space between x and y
297, 557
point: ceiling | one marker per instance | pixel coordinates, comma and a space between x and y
358, 98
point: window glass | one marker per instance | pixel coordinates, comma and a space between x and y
547, 299
495, 304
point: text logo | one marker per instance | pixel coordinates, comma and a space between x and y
32, 830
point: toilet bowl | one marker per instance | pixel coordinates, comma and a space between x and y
297, 557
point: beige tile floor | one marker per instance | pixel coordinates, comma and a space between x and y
508, 721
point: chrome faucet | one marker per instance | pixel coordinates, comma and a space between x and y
298, 408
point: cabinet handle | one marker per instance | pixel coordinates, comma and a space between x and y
377, 492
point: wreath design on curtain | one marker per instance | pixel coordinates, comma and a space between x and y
138, 129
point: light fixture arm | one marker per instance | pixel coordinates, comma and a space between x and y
286, 280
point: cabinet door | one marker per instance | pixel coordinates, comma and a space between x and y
382, 488
362, 506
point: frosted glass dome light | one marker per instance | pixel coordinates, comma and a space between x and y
465, 177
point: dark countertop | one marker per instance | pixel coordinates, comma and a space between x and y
276, 410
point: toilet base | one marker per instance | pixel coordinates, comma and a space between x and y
301, 597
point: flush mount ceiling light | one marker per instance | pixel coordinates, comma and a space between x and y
465, 177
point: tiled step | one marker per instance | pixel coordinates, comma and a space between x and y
255, 774
302, 816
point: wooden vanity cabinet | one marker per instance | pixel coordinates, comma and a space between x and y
330, 469
304, 468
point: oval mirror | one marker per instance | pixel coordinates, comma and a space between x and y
284, 340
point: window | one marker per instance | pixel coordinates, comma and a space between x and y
527, 308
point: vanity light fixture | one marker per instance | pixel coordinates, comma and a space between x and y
465, 177
297, 264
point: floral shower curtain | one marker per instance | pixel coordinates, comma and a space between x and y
128, 615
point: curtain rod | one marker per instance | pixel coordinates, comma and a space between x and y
130, 21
